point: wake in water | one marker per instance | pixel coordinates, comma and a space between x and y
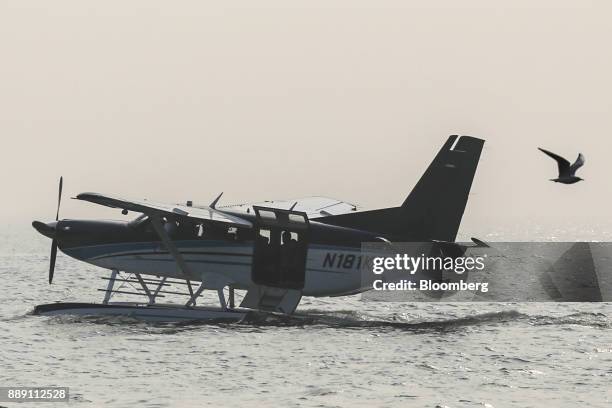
352, 320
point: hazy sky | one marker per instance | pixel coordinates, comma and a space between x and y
348, 99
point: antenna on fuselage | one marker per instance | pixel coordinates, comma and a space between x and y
214, 203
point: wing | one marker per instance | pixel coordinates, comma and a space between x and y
314, 207
577, 164
564, 165
149, 207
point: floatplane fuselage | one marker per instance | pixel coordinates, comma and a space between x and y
220, 256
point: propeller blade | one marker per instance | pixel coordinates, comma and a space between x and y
52, 261
59, 198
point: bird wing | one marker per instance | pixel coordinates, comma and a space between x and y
564, 165
577, 164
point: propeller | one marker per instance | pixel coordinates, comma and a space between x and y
52, 261
54, 242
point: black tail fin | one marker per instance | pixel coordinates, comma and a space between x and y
434, 208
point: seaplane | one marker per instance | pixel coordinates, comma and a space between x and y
274, 252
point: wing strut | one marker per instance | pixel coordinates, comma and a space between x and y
194, 296
159, 228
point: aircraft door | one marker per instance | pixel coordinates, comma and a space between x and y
281, 247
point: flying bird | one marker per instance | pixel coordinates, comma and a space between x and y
567, 171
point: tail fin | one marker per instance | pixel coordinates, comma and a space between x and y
434, 208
